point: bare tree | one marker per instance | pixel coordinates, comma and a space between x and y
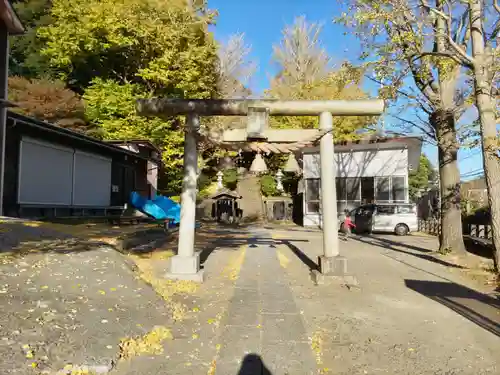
305, 71
235, 67
235, 71
300, 55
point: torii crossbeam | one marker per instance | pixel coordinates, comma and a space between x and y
186, 264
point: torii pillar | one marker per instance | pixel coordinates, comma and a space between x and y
186, 264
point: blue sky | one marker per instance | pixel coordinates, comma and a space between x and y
262, 22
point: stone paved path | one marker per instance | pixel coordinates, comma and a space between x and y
263, 322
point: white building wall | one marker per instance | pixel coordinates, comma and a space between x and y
369, 163
361, 163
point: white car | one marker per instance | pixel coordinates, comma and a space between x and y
398, 218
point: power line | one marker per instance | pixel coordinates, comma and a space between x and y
470, 155
474, 173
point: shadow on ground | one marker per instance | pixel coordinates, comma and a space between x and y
19, 237
477, 307
224, 239
473, 245
395, 246
480, 247
253, 365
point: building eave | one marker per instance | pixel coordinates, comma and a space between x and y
139, 142
51, 128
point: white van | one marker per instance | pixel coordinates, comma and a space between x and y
398, 218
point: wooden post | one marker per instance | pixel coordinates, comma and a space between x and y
4, 77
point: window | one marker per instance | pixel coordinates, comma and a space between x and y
341, 207
386, 210
352, 189
366, 210
398, 189
367, 189
341, 188
312, 196
383, 188
406, 209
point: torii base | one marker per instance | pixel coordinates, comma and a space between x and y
185, 268
333, 270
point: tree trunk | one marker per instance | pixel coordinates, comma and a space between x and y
451, 236
491, 167
483, 64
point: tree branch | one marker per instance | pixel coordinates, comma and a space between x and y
443, 54
465, 57
405, 94
429, 132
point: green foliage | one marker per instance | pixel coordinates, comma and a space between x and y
275, 161
422, 178
268, 186
205, 186
400, 40
344, 84
163, 45
114, 52
25, 57
230, 178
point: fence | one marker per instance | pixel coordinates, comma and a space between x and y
433, 226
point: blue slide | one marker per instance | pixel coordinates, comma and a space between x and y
160, 208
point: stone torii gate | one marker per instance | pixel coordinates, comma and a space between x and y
186, 264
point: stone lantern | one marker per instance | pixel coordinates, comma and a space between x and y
279, 182
219, 180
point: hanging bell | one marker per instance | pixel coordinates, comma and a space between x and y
292, 166
258, 164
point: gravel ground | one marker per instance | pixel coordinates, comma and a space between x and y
408, 315
65, 302
69, 302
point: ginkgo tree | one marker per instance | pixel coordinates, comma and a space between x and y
408, 49
427, 42
114, 52
305, 71
485, 63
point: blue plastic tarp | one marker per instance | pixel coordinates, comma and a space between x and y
161, 208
